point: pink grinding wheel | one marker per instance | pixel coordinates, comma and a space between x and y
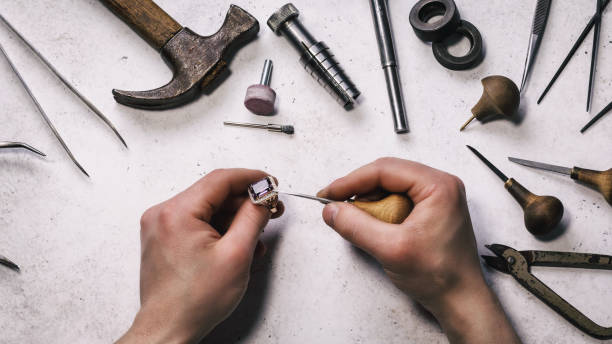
260, 99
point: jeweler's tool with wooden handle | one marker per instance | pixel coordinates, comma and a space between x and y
196, 60
542, 214
394, 208
600, 180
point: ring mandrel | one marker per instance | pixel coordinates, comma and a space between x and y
316, 57
260, 98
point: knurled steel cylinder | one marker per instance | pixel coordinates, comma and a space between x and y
316, 57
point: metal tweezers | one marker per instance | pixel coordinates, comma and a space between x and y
7, 144
518, 263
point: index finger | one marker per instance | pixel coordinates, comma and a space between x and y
391, 174
205, 197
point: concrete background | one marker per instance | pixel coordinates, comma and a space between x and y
77, 239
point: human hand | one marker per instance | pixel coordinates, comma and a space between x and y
197, 250
432, 255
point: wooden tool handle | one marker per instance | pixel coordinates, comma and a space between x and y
146, 18
601, 180
523, 196
394, 208
542, 214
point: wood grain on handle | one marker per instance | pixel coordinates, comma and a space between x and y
394, 208
601, 180
542, 214
146, 18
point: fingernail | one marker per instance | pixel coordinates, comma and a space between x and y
322, 193
329, 213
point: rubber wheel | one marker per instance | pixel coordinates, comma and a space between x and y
474, 56
437, 31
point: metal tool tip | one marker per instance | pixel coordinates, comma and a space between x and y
288, 129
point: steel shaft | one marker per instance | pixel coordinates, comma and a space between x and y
384, 36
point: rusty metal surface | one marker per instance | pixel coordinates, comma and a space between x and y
196, 61
518, 265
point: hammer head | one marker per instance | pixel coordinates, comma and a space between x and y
195, 61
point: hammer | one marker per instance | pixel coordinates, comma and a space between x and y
195, 60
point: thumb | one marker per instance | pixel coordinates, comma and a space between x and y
248, 223
358, 227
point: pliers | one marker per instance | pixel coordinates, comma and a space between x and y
518, 263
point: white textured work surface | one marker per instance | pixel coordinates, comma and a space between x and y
77, 240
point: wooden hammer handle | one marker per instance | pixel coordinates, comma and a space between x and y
146, 18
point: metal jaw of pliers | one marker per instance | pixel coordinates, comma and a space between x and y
6, 145
518, 263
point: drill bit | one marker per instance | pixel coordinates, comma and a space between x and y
66, 82
285, 129
42, 112
6, 144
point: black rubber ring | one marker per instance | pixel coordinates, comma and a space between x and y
424, 10
471, 59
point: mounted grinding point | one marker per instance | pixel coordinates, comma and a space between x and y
260, 98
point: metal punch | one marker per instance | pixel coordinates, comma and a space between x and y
388, 59
66, 83
518, 264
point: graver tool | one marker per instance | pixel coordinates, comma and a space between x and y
542, 214
194, 59
42, 113
384, 37
316, 57
500, 96
67, 83
285, 129
572, 51
394, 208
518, 264
537, 32
7, 262
600, 180
6, 144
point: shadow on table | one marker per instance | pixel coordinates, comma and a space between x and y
374, 265
249, 312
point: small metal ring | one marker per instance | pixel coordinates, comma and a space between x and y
424, 10
471, 59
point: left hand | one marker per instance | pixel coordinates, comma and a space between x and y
197, 250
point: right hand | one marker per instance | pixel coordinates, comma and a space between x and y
432, 255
